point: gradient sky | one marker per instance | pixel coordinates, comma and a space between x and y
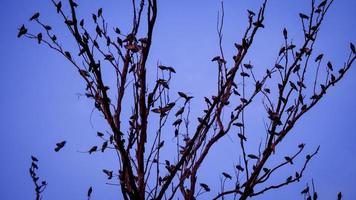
40, 104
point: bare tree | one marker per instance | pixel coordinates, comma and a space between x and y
288, 89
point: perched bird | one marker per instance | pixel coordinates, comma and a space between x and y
54, 38
339, 196
289, 159
266, 170
319, 57
109, 57
90, 190
100, 134
322, 4
205, 187
252, 156
293, 86
185, 96
94, 17
238, 124
306, 190
258, 24
315, 195
73, 4
248, 66
93, 149
226, 175
242, 137
34, 159
117, 30
282, 50
67, 54
104, 146
69, 22
35, 16
59, 6
330, 66
251, 13
165, 68
240, 168
39, 38
216, 58
179, 112
108, 173
177, 122
303, 16
22, 31
301, 145
285, 33
160, 145
100, 12
278, 66
48, 27
244, 74
352, 47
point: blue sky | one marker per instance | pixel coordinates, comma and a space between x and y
40, 104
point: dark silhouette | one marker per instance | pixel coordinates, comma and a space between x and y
141, 173
59, 146
40, 186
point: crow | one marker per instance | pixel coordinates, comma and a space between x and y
59, 146
35, 16
22, 31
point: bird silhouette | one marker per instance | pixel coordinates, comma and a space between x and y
39, 38
285, 33
100, 134
73, 4
90, 190
242, 137
100, 12
322, 4
248, 66
240, 168
34, 159
306, 190
59, 146
278, 66
35, 16
22, 31
251, 13
252, 156
165, 68
205, 187
59, 6
330, 66
92, 149
289, 159
104, 146
179, 112
67, 54
226, 175
108, 173
319, 57
244, 74
177, 122
352, 47
303, 16
185, 96
339, 196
